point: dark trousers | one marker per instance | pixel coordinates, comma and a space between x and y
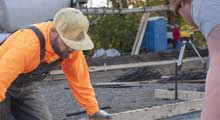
24, 102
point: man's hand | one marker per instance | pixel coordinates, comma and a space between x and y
101, 115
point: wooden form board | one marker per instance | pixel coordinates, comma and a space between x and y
182, 95
160, 112
102, 11
140, 34
125, 66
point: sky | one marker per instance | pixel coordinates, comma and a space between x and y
97, 3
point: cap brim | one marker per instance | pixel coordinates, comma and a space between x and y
84, 44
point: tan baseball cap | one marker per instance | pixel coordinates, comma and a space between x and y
72, 27
175, 4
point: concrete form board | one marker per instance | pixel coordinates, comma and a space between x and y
160, 112
126, 66
21, 13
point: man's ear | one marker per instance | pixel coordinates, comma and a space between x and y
53, 33
53, 29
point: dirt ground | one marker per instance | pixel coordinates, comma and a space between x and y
168, 55
118, 99
62, 103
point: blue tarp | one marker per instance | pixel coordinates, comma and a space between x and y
155, 37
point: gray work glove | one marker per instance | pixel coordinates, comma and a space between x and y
101, 115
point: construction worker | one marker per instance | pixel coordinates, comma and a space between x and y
27, 56
204, 15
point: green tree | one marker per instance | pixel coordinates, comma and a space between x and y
115, 31
119, 31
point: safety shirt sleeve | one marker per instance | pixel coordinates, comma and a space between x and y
11, 65
2, 89
19, 54
76, 70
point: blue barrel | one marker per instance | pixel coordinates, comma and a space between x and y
155, 37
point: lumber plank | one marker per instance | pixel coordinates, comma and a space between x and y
140, 34
116, 85
160, 112
131, 65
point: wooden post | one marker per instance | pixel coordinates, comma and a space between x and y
160, 112
140, 34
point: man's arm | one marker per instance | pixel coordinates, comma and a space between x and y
11, 64
76, 71
19, 54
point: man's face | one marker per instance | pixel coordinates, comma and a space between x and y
59, 46
185, 11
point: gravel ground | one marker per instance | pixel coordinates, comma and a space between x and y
61, 102
191, 116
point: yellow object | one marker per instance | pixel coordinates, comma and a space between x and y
185, 34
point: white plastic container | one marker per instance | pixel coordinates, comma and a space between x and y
15, 14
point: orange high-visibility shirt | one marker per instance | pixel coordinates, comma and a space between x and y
20, 53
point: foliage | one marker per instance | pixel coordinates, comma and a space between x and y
115, 31
119, 31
